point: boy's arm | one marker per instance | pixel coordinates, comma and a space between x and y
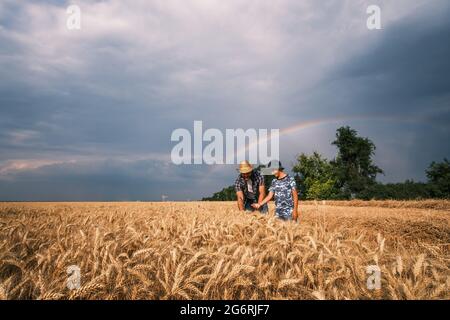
266, 199
295, 214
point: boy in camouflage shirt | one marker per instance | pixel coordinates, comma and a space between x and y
284, 189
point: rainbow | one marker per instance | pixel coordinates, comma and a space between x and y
312, 123
316, 122
299, 126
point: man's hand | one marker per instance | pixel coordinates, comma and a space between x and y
256, 206
240, 200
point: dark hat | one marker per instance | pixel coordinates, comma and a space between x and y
275, 164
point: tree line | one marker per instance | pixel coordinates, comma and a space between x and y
352, 174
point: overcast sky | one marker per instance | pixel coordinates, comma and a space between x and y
88, 114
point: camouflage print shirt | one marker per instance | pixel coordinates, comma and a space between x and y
284, 202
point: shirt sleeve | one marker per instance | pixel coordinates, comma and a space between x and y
261, 180
293, 184
272, 186
237, 185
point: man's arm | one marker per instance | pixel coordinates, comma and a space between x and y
262, 193
240, 200
295, 214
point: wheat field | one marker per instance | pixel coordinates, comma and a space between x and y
207, 250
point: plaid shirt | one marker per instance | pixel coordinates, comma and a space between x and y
256, 179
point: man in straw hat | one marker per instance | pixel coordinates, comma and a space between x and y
249, 188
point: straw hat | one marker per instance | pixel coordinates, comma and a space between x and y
245, 167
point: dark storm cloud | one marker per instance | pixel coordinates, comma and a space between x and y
400, 83
406, 70
104, 180
89, 114
406, 76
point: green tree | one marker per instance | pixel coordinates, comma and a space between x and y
438, 174
353, 167
314, 176
226, 194
353, 174
408, 190
322, 190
